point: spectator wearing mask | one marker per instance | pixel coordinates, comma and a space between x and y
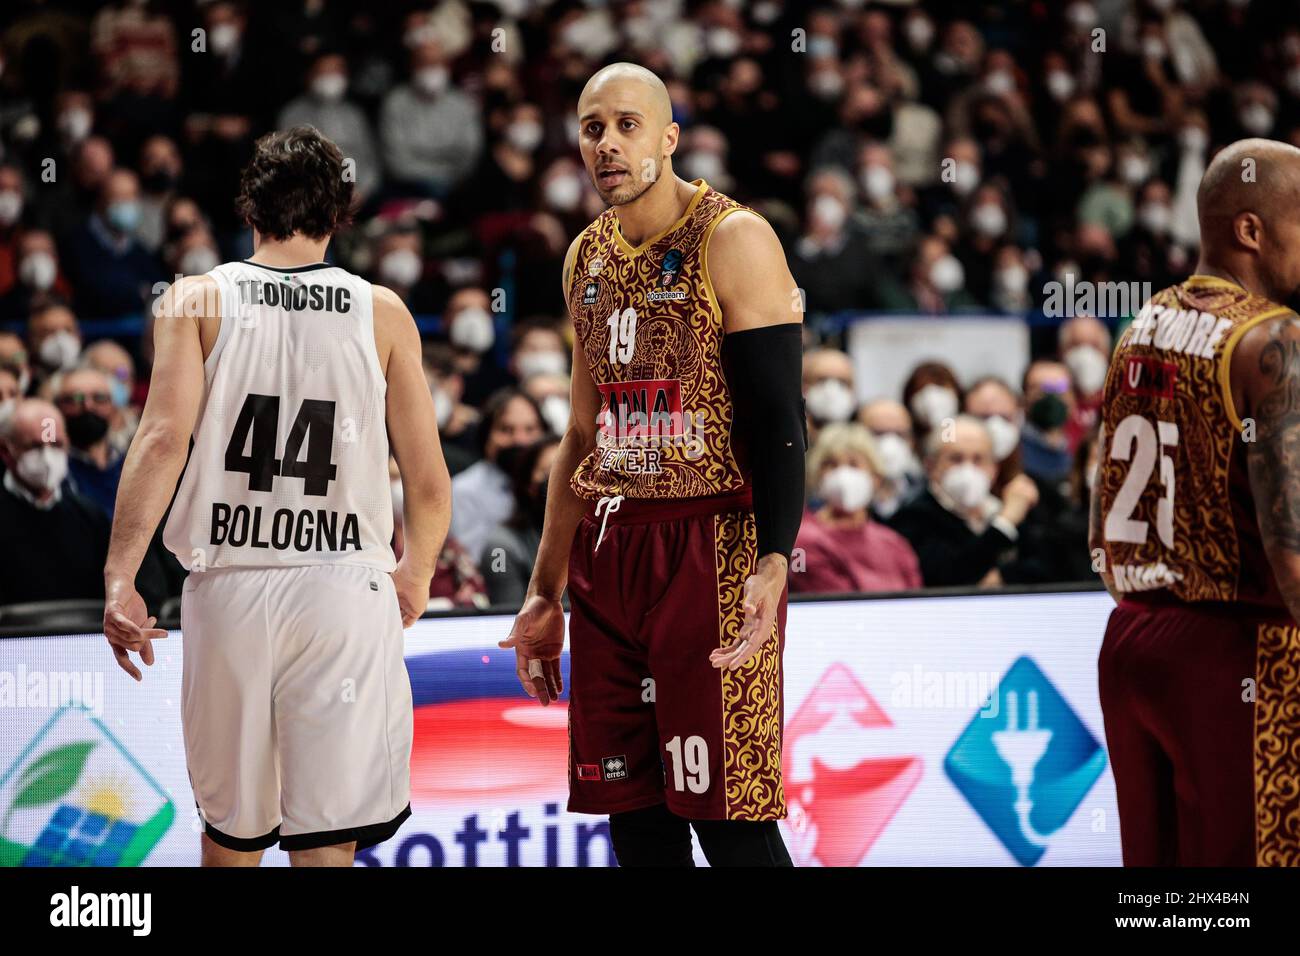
1009, 289
116, 364
1148, 248
13, 359
481, 494
399, 264
931, 394
456, 580
936, 282
500, 193
900, 474
1049, 405
38, 277
887, 217
53, 339
539, 350
37, 507
160, 175
551, 393
827, 388
1084, 345
831, 261
457, 422
844, 548
324, 104
960, 531
471, 329
64, 206
431, 133
510, 550
84, 397
111, 271
995, 403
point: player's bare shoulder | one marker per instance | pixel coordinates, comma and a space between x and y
749, 273
394, 324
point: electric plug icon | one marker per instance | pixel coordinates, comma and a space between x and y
1021, 749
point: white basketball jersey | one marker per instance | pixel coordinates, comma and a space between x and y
290, 457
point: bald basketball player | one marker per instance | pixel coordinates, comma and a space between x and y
674, 502
1198, 510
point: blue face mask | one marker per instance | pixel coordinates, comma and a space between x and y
121, 395
124, 216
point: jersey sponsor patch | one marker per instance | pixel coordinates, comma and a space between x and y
588, 771
614, 768
642, 409
1150, 377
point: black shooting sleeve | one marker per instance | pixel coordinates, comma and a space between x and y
764, 371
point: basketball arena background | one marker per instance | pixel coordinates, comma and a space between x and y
964, 189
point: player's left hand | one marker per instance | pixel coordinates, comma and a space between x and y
128, 626
761, 599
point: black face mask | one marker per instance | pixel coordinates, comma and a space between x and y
159, 182
507, 458
1048, 412
85, 428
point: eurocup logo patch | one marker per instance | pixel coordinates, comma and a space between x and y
1026, 770
672, 265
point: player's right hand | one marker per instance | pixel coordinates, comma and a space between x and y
412, 593
538, 640
128, 626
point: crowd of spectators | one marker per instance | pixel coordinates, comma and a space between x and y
932, 158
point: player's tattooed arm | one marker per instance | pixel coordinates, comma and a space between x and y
1270, 360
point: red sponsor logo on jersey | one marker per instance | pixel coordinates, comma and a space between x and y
588, 771
644, 408
1150, 377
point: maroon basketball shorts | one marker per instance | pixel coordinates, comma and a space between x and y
1202, 711
651, 720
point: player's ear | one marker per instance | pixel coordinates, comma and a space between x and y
671, 133
1248, 229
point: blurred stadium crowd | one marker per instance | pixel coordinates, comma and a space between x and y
916, 158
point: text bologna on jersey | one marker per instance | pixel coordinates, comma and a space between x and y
306, 530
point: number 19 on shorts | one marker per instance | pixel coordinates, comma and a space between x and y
690, 764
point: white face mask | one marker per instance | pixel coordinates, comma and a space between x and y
933, 403
330, 86
223, 38
967, 484
706, 166
1256, 119
525, 135
75, 123
431, 80
472, 329
1154, 217
947, 274
563, 193
897, 460
878, 183
38, 271
830, 400
989, 220
43, 467
401, 267
1004, 434
999, 83
541, 363
1193, 139
846, 488
443, 406
199, 261
919, 31
1088, 367
555, 412
60, 350
11, 207
829, 211
1012, 279
1060, 84
965, 177
1134, 169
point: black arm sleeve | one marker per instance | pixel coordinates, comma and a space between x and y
764, 371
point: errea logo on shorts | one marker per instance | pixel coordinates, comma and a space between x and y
614, 768
75, 908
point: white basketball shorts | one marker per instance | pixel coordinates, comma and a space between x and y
296, 705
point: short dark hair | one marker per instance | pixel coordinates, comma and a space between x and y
295, 183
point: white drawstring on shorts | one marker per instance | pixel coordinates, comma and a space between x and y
610, 504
